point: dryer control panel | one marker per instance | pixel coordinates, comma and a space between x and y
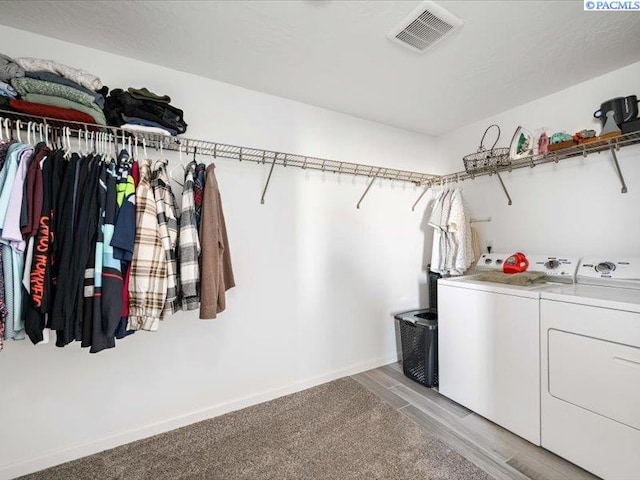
610, 271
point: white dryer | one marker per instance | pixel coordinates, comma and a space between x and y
489, 343
590, 358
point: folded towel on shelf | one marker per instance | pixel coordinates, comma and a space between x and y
7, 90
522, 278
145, 129
54, 78
9, 69
77, 75
94, 112
144, 94
49, 111
25, 86
148, 123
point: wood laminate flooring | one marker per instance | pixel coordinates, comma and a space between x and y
500, 453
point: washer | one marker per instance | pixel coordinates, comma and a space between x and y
489, 343
590, 358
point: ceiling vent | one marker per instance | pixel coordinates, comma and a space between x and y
428, 24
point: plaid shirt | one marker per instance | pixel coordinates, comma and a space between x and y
148, 281
189, 246
168, 224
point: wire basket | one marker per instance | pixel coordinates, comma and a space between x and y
484, 160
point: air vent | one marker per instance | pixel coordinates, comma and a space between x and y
424, 27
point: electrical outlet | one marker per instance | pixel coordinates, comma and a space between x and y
489, 245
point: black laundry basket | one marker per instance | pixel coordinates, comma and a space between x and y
419, 339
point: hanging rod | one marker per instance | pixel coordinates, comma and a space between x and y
234, 152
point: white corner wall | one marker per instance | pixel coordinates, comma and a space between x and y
317, 279
572, 208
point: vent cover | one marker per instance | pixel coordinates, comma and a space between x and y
424, 27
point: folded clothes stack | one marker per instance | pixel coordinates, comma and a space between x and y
51, 89
140, 110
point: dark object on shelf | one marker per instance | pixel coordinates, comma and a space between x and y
120, 103
624, 109
419, 339
487, 160
630, 127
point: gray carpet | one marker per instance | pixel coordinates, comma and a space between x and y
336, 431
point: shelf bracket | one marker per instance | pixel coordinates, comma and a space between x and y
266, 185
426, 189
503, 186
367, 189
618, 171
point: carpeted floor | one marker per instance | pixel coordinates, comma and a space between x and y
337, 431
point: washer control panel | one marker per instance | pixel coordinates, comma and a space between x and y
558, 268
610, 271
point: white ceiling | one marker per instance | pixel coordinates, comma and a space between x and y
335, 54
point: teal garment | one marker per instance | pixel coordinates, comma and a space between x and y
17, 271
25, 86
96, 113
6, 185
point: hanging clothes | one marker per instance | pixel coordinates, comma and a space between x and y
148, 281
452, 250
189, 245
168, 227
216, 271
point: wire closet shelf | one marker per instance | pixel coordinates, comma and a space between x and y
235, 152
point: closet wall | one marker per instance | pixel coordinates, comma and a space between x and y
317, 279
572, 208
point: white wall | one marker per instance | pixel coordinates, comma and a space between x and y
572, 208
317, 279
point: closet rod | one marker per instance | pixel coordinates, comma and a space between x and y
234, 152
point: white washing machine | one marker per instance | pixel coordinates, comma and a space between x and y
590, 352
489, 343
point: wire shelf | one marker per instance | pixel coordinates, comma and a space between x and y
235, 152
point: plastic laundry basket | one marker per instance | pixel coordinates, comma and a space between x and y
419, 339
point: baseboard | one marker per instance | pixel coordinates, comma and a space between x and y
56, 457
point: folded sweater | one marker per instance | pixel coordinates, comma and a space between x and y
49, 111
95, 113
26, 86
54, 78
77, 75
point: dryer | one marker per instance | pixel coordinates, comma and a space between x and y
590, 359
489, 343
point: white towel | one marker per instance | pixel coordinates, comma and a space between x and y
145, 129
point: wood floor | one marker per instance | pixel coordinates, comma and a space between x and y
497, 451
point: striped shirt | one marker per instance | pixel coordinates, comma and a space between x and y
189, 246
148, 281
168, 225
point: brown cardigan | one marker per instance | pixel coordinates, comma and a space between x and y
216, 274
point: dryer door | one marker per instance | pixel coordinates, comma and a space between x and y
597, 375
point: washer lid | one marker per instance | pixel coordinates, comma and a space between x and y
596, 296
471, 282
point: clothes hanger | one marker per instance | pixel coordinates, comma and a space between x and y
67, 153
144, 148
181, 165
18, 128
